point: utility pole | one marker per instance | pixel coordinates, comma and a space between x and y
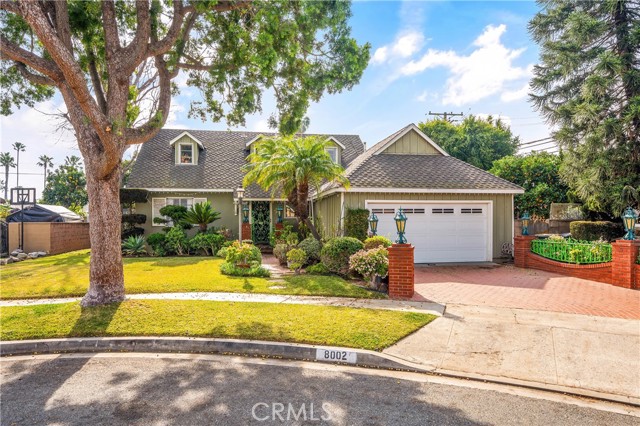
447, 115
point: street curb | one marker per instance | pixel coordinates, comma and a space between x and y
275, 350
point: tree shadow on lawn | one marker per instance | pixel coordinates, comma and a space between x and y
94, 321
168, 261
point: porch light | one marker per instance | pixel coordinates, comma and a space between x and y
629, 218
280, 210
245, 213
373, 224
401, 222
525, 223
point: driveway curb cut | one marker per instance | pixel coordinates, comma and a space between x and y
275, 350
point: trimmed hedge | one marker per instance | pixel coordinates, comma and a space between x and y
130, 196
593, 231
356, 223
336, 253
134, 218
312, 248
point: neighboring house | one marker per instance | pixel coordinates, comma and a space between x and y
456, 212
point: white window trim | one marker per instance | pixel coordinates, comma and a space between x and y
193, 154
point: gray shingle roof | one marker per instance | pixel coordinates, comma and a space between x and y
408, 171
219, 163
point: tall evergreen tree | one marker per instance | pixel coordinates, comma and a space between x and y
587, 86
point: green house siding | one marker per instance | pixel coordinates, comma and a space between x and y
329, 211
411, 143
222, 202
502, 210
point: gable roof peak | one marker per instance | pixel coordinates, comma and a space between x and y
183, 134
393, 138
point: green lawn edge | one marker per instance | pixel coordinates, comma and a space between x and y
67, 275
360, 328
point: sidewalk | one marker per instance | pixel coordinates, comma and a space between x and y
555, 349
349, 302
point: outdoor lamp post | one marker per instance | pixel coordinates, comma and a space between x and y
240, 195
280, 210
373, 224
629, 218
525, 223
401, 222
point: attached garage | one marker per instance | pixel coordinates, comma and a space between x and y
456, 212
441, 231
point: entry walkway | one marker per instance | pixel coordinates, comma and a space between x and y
530, 347
510, 287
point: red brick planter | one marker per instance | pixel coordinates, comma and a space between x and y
621, 271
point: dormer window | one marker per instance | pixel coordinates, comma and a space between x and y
333, 153
185, 154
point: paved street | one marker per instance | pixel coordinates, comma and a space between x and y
510, 287
203, 389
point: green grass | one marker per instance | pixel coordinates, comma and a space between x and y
67, 275
325, 325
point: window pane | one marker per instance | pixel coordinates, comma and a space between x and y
186, 154
333, 153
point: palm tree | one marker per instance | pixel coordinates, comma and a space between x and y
45, 161
6, 161
292, 166
201, 214
19, 147
73, 161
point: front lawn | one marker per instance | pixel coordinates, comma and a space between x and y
322, 325
67, 275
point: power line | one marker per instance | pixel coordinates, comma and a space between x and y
552, 143
548, 138
444, 115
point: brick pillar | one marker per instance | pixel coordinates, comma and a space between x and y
278, 229
246, 230
401, 279
521, 250
625, 253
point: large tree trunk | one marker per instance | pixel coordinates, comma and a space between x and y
106, 283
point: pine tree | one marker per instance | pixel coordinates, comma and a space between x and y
587, 86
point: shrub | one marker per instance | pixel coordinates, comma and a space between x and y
246, 254
356, 223
286, 235
280, 252
201, 214
134, 218
376, 241
175, 214
336, 252
222, 252
226, 233
369, 263
209, 243
176, 241
254, 271
156, 241
296, 259
131, 196
312, 248
131, 232
592, 231
134, 246
318, 269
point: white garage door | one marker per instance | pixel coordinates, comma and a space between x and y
440, 231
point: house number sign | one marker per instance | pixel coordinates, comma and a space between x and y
333, 355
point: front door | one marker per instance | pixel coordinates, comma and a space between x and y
260, 222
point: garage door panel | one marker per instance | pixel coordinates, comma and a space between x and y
440, 232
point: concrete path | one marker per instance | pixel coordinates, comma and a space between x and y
555, 349
350, 302
509, 287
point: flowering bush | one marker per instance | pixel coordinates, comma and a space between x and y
370, 263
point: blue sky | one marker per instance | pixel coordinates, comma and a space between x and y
473, 57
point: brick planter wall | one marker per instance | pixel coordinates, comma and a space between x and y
621, 271
401, 271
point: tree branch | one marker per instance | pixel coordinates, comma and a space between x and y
95, 80
12, 51
135, 52
62, 23
33, 78
160, 47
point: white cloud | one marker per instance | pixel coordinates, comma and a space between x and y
484, 72
515, 95
261, 125
404, 46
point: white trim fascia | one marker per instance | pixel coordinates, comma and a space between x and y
420, 133
489, 203
275, 200
423, 191
257, 138
196, 190
331, 138
186, 133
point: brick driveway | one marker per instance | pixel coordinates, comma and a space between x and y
508, 286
